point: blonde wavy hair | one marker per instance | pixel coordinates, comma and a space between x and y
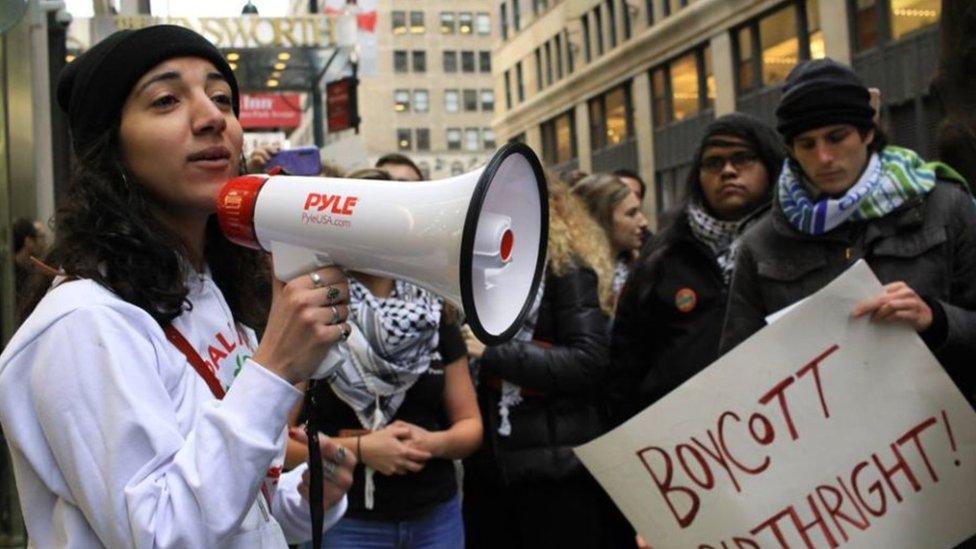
575, 239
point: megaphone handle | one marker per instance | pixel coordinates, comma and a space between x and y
292, 261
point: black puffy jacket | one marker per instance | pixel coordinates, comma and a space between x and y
561, 372
668, 321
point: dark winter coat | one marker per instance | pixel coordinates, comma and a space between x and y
668, 322
560, 372
929, 243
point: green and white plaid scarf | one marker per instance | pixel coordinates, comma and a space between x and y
891, 178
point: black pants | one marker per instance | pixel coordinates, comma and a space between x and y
561, 514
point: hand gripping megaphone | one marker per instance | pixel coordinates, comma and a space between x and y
477, 239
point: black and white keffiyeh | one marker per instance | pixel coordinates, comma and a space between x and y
511, 394
392, 343
720, 237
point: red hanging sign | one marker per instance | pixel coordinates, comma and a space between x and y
270, 110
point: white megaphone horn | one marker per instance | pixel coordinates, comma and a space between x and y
477, 239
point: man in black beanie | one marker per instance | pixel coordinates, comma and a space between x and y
843, 195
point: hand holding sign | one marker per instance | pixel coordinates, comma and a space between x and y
821, 430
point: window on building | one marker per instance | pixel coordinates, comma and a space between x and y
472, 141
539, 6
503, 19
423, 139
487, 100
516, 16
618, 116
453, 139
488, 138
598, 29
548, 48
447, 22
559, 139
450, 61
452, 100
611, 21
628, 23
482, 23
540, 84
570, 56
767, 48
399, 61
684, 87
705, 64
610, 118
558, 40
649, 12
424, 169
587, 51
421, 101
508, 90
470, 99
465, 23
659, 97
467, 61
745, 60
419, 58
814, 35
908, 16
865, 14
666, 8
484, 61
417, 25
401, 100
519, 82
779, 44
404, 142
399, 19
457, 167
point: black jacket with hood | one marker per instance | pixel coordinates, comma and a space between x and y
670, 312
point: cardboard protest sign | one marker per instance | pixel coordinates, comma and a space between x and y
819, 431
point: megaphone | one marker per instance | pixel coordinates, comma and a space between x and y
477, 239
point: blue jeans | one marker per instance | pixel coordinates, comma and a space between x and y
440, 528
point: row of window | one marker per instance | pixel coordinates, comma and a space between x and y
468, 139
454, 100
416, 61
764, 49
413, 22
465, 23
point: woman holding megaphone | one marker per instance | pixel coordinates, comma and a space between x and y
139, 407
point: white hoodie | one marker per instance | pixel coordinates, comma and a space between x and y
117, 441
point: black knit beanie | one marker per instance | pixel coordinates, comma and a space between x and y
819, 93
93, 87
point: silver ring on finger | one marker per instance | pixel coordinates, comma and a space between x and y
340, 455
316, 280
344, 332
331, 295
329, 467
335, 315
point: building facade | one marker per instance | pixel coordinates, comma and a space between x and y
598, 85
433, 96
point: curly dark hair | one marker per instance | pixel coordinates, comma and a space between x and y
106, 232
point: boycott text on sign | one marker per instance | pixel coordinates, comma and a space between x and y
819, 431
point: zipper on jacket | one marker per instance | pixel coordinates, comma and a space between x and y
848, 253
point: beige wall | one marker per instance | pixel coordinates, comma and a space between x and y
380, 120
703, 21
